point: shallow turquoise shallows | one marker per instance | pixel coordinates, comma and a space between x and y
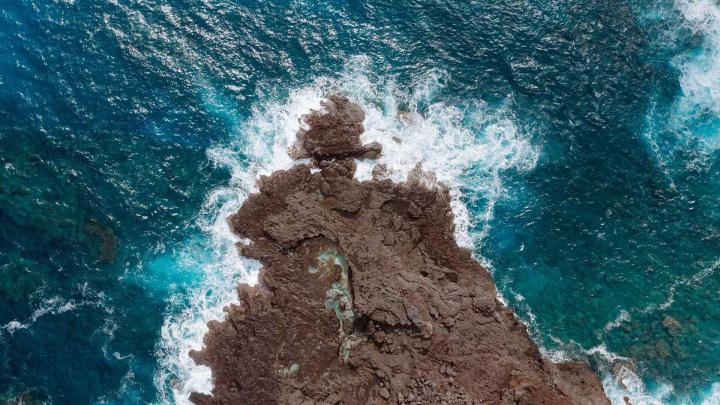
580, 138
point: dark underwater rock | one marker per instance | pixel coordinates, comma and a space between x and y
365, 297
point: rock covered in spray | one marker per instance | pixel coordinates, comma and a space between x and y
364, 296
334, 132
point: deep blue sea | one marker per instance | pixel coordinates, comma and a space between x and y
581, 141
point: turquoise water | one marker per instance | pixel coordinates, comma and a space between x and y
580, 140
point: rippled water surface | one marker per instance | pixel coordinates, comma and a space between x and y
580, 141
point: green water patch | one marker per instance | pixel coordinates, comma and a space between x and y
290, 371
338, 297
326, 259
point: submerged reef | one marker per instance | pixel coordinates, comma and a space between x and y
364, 296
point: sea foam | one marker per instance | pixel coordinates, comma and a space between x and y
692, 125
466, 146
700, 79
54, 305
259, 149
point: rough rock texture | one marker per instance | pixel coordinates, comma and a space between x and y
334, 133
365, 298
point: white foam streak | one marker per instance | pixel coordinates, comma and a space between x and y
622, 317
626, 383
51, 306
685, 281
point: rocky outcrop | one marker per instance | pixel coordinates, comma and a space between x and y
365, 297
335, 134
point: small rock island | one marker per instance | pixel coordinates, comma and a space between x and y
365, 297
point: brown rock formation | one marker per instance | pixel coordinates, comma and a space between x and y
365, 298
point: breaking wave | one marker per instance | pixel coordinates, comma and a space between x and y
467, 147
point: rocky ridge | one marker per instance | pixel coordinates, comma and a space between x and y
364, 296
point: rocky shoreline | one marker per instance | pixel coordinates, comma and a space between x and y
364, 296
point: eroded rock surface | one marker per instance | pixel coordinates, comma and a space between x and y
365, 298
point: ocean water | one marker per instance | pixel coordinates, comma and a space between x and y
581, 142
